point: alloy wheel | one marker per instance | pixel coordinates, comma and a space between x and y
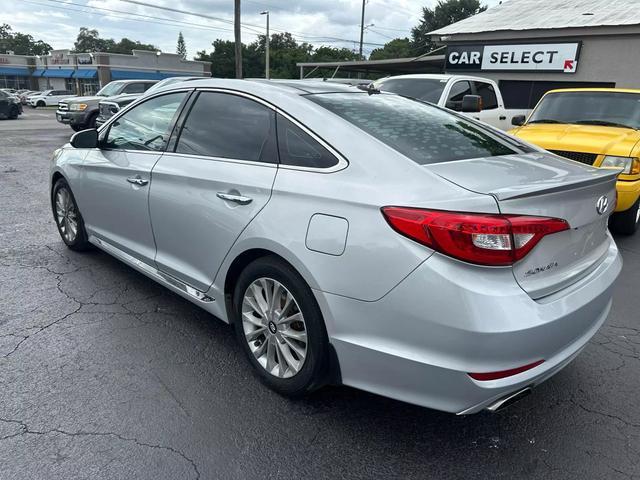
274, 327
66, 215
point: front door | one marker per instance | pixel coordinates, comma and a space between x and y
113, 197
219, 177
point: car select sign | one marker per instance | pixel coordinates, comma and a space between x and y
542, 57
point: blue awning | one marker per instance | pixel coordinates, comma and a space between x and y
85, 73
14, 71
38, 72
135, 75
58, 73
177, 74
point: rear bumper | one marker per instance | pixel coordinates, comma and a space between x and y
445, 319
628, 193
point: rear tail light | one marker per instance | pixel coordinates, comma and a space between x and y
483, 377
483, 239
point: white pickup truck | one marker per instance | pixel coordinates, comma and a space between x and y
450, 91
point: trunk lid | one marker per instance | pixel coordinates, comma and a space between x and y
541, 184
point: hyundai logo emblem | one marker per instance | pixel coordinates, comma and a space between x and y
602, 204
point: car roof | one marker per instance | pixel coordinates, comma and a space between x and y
257, 86
436, 76
594, 89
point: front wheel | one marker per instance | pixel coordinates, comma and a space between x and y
280, 327
67, 216
627, 222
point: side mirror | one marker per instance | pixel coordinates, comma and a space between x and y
518, 120
85, 139
472, 103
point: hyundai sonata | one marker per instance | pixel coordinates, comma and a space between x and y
351, 236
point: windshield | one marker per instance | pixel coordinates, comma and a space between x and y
422, 132
427, 89
110, 89
614, 109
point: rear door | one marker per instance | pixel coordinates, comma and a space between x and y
218, 178
113, 195
492, 112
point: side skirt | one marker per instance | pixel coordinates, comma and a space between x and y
195, 296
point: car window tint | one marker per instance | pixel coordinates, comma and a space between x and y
427, 89
420, 131
229, 126
147, 86
145, 127
133, 88
457, 93
300, 149
488, 95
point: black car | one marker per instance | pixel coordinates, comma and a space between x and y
10, 107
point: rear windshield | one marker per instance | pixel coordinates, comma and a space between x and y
427, 89
613, 109
422, 132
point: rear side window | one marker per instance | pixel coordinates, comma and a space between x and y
422, 132
300, 149
488, 95
229, 126
427, 89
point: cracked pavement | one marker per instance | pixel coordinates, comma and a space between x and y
105, 374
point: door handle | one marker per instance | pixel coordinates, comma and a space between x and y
239, 199
502, 117
137, 180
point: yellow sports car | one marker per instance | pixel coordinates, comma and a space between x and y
595, 126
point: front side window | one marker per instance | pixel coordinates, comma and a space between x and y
488, 95
147, 126
134, 88
457, 93
110, 89
426, 89
612, 109
422, 132
298, 148
229, 126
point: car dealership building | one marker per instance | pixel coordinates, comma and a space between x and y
86, 73
532, 46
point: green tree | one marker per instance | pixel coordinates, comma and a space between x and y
181, 48
444, 13
396, 48
21, 43
90, 41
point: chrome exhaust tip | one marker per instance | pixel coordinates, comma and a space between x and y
509, 400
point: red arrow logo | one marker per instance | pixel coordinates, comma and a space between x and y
568, 64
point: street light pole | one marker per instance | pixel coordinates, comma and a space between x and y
267, 41
364, 2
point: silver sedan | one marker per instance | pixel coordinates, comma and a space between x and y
350, 236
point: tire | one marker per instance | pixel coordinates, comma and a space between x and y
67, 215
14, 112
627, 222
291, 373
91, 122
76, 128
40, 104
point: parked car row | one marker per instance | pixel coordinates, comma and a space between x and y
355, 237
10, 106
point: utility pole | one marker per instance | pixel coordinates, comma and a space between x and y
364, 2
267, 40
236, 31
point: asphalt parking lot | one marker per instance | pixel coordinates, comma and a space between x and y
105, 374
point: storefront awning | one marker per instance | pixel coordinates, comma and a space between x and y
178, 74
38, 72
14, 71
135, 75
89, 73
59, 73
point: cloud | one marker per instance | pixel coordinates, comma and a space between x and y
315, 21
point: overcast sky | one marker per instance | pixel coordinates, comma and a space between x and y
328, 22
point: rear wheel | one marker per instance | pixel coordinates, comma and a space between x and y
67, 216
14, 112
280, 327
627, 222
